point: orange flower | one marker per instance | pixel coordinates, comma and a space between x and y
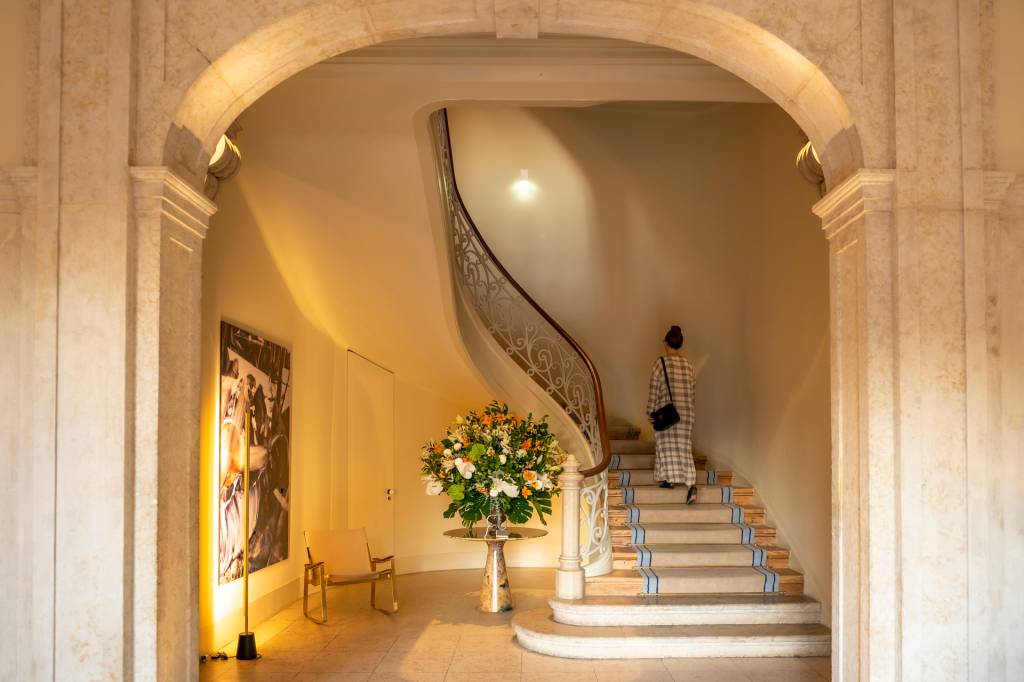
526, 492
530, 475
438, 448
485, 420
527, 445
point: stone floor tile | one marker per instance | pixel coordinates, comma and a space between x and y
416, 661
704, 670
343, 662
559, 676
534, 663
455, 676
332, 677
407, 677
778, 670
487, 661
640, 670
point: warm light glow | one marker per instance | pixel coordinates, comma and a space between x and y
524, 188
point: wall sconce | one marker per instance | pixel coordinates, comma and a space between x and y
225, 161
809, 165
524, 188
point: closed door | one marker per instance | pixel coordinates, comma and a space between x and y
371, 452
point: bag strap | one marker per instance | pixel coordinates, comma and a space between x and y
668, 384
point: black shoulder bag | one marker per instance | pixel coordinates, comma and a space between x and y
667, 416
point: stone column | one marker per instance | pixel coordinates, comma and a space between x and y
857, 217
171, 219
569, 578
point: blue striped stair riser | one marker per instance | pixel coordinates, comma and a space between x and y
629, 494
645, 555
652, 581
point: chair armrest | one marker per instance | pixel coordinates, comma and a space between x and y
314, 565
381, 560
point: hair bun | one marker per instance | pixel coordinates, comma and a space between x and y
676, 328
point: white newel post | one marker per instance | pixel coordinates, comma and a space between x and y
569, 578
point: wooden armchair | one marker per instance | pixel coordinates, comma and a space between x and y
342, 557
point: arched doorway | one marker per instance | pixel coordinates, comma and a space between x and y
859, 204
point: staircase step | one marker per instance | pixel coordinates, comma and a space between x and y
631, 445
689, 556
646, 477
652, 494
681, 533
701, 512
536, 630
704, 609
643, 460
695, 580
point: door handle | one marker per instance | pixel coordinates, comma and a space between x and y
390, 492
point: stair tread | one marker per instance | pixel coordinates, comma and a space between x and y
687, 547
540, 621
667, 601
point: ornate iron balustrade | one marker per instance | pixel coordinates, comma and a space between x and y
537, 344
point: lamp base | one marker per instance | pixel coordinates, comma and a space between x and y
246, 647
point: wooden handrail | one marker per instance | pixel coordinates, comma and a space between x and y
602, 424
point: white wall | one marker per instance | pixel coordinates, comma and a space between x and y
13, 80
647, 215
241, 284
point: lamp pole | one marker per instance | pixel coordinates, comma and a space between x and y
246, 640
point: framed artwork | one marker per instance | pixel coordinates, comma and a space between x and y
255, 377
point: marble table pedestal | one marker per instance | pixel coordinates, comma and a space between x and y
495, 592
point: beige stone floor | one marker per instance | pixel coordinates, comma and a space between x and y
439, 636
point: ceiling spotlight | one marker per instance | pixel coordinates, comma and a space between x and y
524, 188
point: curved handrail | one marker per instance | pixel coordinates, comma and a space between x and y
470, 247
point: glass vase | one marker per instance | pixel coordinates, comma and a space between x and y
496, 520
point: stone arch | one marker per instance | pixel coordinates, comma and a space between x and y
268, 56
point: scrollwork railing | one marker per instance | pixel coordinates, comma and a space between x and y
538, 344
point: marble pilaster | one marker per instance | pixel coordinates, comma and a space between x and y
171, 219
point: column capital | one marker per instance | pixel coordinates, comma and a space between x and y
867, 190
159, 191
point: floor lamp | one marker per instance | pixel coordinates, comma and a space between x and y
246, 640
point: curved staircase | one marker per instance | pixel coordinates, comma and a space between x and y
702, 580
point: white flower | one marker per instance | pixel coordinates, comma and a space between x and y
502, 458
447, 452
457, 446
459, 419
465, 467
434, 487
499, 486
448, 464
520, 453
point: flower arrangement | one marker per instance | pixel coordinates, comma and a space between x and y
494, 459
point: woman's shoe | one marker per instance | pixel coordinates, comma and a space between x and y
666, 484
691, 495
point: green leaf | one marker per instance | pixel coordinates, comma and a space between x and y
476, 451
457, 492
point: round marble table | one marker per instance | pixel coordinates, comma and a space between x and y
495, 593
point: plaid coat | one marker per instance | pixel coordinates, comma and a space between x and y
673, 459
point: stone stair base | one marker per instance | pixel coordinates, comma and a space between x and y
537, 631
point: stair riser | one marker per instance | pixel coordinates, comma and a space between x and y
655, 616
655, 495
624, 536
676, 647
646, 477
633, 588
645, 461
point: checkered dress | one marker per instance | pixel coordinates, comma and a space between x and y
673, 459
